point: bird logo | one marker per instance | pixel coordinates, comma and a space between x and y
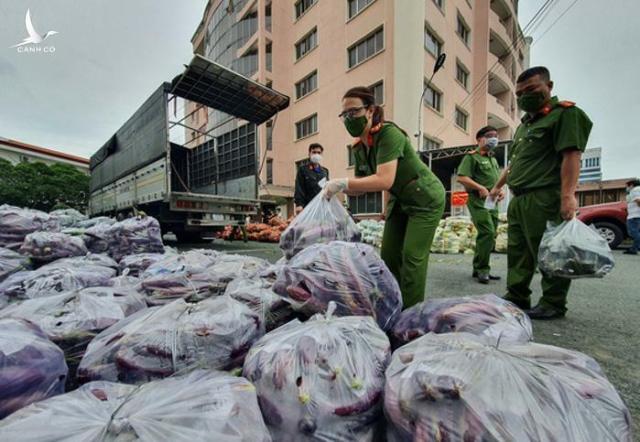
34, 37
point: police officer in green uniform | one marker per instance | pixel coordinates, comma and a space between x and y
478, 173
385, 160
542, 175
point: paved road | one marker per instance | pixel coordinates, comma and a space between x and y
602, 320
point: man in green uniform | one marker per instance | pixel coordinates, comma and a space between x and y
542, 175
478, 173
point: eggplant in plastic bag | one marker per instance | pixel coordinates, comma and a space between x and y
17, 223
32, 367
49, 246
487, 315
128, 237
259, 297
11, 262
458, 387
321, 380
201, 406
350, 274
321, 222
160, 341
573, 250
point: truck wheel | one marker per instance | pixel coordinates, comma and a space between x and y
187, 237
610, 232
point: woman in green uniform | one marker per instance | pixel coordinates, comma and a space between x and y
385, 160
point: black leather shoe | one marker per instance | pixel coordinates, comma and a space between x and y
491, 277
483, 279
544, 312
524, 305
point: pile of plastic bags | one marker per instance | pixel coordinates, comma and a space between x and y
32, 368
322, 379
136, 264
160, 341
489, 316
350, 274
321, 222
459, 387
572, 250
128, 237
49, 246
11, 262
259, 297
371, 232
202, 405
17, 223
68, 217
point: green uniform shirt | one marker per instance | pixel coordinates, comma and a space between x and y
483, 169
412, 175
536, 153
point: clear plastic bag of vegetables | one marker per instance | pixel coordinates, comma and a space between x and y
17, 223
321, 380
321, 222
573, 250
68, 217
160, 341
192, 261
459, 387
49, 246
350, 274
259, 297
138, 263
128, 237
204, 405
488, 315
32, 367
11, 262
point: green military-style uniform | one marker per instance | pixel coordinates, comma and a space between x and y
414, 209
484, 170
534, 179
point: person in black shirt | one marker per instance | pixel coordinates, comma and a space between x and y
310, 178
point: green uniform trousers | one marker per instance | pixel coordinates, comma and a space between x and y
406, 244
486, 223
527, 216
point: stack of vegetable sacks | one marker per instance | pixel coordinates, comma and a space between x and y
49, 246
350, 274
259, 297
489, 316
68, 217
160, 341
270, 232
128, 237
371, 231
136, 264
321, 222
202, 405
32, 368
523, 392
322, 379
17, 223
445, 241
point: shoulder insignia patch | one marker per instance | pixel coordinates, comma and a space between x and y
566, 103
471, 152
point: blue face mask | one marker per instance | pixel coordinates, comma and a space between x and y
492, 142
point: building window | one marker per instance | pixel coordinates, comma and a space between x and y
270, 135
439, 3
307, 44
431, 144
462, 75
356, 6
432, 43
307, 85
306, 127
351, 157
367, 203
463, 30
303, 6
269, 171
433, 98
461, 118
378, 92
366, 48
269, 56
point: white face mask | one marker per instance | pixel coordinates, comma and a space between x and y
316, 158
492, 142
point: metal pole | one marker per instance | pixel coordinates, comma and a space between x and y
506, 164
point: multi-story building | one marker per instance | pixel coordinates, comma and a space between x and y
314, 50
18, 152
590, 165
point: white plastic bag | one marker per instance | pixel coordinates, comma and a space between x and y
574, 250
321, 222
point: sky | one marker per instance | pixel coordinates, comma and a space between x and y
110, 56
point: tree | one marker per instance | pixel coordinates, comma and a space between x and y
38, 186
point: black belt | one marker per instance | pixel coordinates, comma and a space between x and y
520, 192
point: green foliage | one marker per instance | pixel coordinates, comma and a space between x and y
42, 187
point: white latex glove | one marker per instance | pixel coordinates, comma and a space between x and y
335, 186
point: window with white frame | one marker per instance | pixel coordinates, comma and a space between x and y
366, 203
433, 98
307, 127
366, 48
302, 6
307, 85
355, 6
378, 92
430, 143
432, 43
463, 30
462, 118
307, 43
462, 75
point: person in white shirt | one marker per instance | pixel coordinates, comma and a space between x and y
633, 215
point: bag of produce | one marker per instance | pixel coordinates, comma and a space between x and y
502, 238
128, 237
91, 222
203, 405
11, 262
137, 264
92, 259
32, 367
165, 288
573, 250
350, 274
17, 223
192, 261
49, 246
258, 295
160, 341
321, 222
489, 316
371, 232
459, 387
321, 380
68, 217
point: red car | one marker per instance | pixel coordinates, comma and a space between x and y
610, 219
